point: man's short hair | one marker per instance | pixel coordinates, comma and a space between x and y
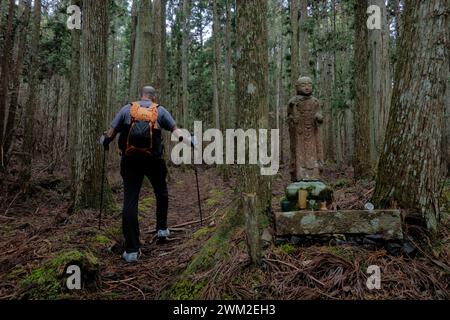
148, 91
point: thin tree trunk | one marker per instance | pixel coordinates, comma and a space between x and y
3, 12
142, 71
111, 76
295, 72
379, 81
74, 104
279, 68
216, 67
6, 63
163, 52
55, 110
305, 68
31, 106
134, 22
160, 49
327, 83
362, 125
21, 36
227, 73
3, 25
446, 143
184, 61
411, 167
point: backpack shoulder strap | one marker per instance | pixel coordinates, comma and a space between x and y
154, 114
134, 111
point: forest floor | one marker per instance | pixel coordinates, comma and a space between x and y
37, 237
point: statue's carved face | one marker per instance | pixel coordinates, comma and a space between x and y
305, 89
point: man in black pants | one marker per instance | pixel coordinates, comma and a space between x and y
134, 167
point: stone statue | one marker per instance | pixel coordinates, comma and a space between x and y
304, 119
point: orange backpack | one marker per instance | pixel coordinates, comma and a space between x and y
140, 136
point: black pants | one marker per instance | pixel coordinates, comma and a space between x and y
133, 171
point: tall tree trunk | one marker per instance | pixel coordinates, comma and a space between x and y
134, 21
21, 36
252, 88
327, 84
279, 67
218, 98
142, 71
280, 83
6, 63
31, 106
111, 76
55, 110
160, 49
74, 105
227, 72
339, 114
362, 162
446, 143
93, 104
305, 68
184, 61
411, 169
216, 67
379, 81
295, 71
4, 9
160, 81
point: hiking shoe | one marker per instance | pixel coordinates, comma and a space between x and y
130, 257
163, 234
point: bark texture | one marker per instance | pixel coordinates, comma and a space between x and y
411, 168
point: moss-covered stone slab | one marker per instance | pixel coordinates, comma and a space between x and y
387, 223
317, 190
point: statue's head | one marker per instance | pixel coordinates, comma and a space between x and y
304, 86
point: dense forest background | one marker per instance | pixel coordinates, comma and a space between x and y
384, 93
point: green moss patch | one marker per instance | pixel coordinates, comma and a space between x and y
186, 290
102, 240
202, 232
217, 246
215, 196
47, 281
287, 248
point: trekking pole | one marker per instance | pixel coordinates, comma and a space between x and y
198, 192
198, 196
101, 192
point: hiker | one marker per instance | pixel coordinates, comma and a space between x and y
140, 141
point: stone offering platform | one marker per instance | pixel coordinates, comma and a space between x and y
386, 223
